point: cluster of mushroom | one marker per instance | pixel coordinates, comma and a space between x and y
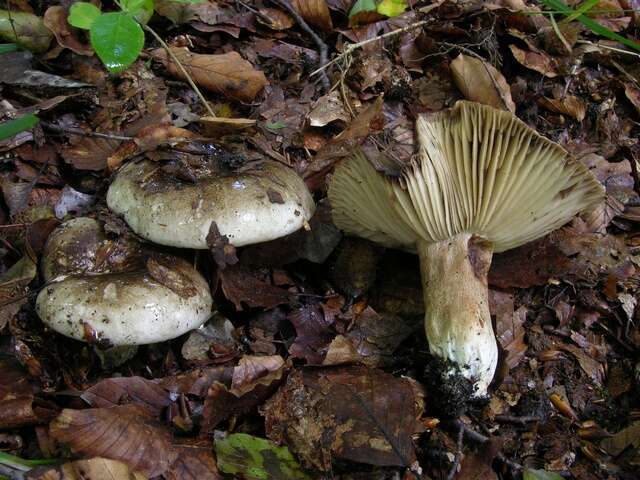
482, 181
139, 296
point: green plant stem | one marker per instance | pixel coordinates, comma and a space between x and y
182, 69
22, 464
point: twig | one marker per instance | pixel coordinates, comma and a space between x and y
456, 461
79, 131
349, 49
323, 50
182, 69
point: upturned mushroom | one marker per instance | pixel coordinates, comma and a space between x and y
263, 202
111, 294
481, 182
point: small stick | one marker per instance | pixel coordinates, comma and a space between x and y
458, 457
323, 50
182, 69
79, 131
349, 49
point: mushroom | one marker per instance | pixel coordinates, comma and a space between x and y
482, 181
257, 204
117, 299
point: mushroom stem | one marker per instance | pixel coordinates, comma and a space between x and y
457, 319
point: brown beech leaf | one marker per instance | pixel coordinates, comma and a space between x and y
254, 380
91, 469
538, 61
342, 413
633, 94
114, 391
316, 12
167, 272
480, 82
55, 19
227, 74
126, 433
568, 105
275, 19
195, 461
242, 286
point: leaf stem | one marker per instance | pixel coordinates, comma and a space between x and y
182, 69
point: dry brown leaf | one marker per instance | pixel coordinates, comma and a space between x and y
569, 105
538, 61
195, 462
275, 19
127, 433
213, 126
480, 82
228, 74
55, 19
316, 12
633, 94
328, 108
91, 469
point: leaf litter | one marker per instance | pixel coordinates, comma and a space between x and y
314, 362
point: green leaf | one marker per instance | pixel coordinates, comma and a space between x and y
392, 8
584, 8
530, 474
83, 14
594, 26
8, 47
141, 10
255, 458
117, 39
275, 125
362, 6
12, 127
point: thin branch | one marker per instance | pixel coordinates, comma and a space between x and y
323, 50
182, 69
83, 133
349, 49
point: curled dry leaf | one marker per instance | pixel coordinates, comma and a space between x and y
127, 433
481, 82
568, 105
91, 469
114, 391
328, 108
316, 12
55, 19
227, 74
538, 61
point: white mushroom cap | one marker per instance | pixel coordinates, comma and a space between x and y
124, 308
262, 203
480, 171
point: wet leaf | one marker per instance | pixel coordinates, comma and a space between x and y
227, 74
117, 39
9, 128
481, 82
256, 458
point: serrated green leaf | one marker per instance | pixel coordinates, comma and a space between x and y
590, 23
391, 8
531, 474
256, 458
12, 127
8, 47
83, 14
117, 39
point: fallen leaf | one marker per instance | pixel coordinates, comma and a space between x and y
275, 19
633, 94
195, 462
126, 433
227, 74
480, 82
254, 458
55, 19
25, 29
625, 438
14, 287
111, 392
538, 61
478, 465
509, 326
90, 469
328, 108
222, 251
342, 413
215, 126
532, 474
315, 12
242, 286
568, 105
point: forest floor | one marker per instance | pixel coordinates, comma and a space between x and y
315, 364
